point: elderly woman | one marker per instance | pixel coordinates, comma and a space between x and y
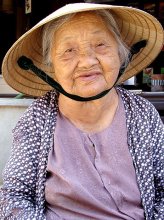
87, 148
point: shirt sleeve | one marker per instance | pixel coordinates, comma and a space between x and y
158, 164
18, 193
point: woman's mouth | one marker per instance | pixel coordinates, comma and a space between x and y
88, 76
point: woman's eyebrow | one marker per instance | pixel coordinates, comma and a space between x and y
97, 32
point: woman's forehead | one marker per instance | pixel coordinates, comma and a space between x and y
81, 22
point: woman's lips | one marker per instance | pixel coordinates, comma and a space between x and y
88, 76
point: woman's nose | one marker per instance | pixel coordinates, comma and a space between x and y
87, 58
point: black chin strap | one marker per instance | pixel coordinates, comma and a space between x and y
27, 64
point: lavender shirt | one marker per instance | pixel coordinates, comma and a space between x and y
91, 176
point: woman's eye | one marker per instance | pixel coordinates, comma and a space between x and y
69, 50
69, 53
100, 45
101, 48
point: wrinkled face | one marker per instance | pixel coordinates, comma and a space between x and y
85, 55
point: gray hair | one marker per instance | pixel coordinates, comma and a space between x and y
50, 28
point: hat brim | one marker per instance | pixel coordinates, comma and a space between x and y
134, 25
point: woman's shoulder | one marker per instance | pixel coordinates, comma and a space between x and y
50, 98
137, 104
134, 98
39, 110
44, 104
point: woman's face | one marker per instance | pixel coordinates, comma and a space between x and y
85, 55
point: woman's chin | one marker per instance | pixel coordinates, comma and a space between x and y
89, 93
92, 89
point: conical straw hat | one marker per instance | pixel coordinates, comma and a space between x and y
134, 24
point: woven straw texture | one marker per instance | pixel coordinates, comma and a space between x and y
134, 25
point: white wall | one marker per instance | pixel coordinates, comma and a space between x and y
5, 88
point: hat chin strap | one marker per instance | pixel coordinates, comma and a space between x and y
27, 64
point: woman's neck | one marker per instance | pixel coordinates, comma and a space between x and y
92, 116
